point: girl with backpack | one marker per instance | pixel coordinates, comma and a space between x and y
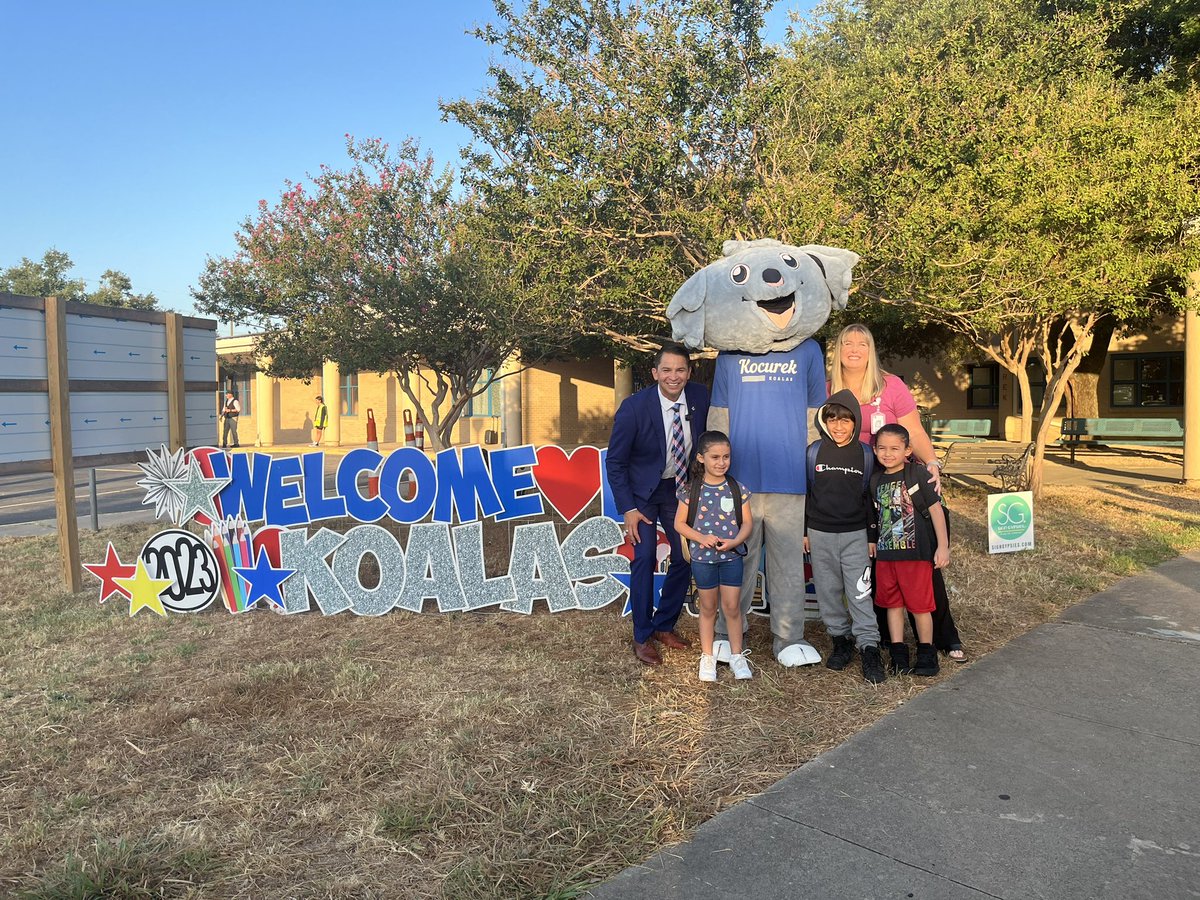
714, 517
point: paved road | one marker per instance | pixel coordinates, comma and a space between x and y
1061, 766
30, 498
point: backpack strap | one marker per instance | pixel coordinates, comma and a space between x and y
868, 465
736, 490
913, 486
693, 500
811, 456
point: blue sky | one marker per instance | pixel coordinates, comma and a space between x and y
138, 135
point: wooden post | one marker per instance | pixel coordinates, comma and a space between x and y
58, 384
176, 396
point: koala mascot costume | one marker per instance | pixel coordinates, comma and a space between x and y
759, 306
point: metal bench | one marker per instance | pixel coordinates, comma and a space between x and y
1157, 432
961, 429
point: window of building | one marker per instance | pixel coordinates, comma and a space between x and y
984, 390
1147, 379
1037, 385
242, 386
349, 391
488, 403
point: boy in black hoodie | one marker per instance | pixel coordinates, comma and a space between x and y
840, 532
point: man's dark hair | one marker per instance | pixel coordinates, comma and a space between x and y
836, 411
672, 347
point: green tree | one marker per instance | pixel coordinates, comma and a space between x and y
48, 278
994, 171
379, 268
614, 149
117, 290
44, 278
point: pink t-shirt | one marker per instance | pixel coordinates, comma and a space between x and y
895, 401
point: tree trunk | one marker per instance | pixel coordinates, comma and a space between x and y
1022, 376
1084, 386
1084, 402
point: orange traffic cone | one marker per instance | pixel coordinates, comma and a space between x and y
372, 444
420, 435
409, 439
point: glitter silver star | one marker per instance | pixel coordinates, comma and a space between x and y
163, 468
197, 493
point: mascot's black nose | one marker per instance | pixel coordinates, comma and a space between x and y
772, 276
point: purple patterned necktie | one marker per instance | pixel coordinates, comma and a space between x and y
678, 453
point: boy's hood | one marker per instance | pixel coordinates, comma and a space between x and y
847, 399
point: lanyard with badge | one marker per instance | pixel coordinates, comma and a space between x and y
878, 419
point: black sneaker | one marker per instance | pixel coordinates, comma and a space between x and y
872, 665
842, 653
927, 661
900, 664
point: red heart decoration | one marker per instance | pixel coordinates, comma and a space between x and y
568, 481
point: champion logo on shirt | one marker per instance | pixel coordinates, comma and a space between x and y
849, 470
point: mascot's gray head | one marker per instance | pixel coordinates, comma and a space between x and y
762, 296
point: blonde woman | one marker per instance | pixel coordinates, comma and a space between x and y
886, 400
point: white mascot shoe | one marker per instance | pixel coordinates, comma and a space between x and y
721, 651
801, 654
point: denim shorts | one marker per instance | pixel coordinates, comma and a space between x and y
709, 575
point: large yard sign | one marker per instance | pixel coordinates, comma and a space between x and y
82, 385
259, 546
1010, 522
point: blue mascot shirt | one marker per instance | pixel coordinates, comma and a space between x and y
769, 396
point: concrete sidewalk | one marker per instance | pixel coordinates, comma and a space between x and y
1064, 765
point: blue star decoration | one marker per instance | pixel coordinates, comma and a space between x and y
659, 578
264, 580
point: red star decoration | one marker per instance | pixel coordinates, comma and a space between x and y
108, 571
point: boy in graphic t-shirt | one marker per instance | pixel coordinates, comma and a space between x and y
840, 534
913, 541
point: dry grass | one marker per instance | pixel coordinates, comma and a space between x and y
471, 755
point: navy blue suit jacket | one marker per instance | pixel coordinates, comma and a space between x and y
637, 450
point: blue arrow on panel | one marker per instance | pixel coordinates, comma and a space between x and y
156, 419
125, 420
90, 421
19, 347
131, 353
6, 424
99, 352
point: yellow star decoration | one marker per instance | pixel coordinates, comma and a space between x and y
144, 590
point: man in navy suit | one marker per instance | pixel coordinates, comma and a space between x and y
642, 472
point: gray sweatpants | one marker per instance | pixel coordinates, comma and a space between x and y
779, 521
841, 566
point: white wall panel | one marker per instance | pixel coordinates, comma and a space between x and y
118, 422
23, 343
203, 426
24, 427
116, 349
199, 354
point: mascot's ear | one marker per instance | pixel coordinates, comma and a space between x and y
837, 265
686, 311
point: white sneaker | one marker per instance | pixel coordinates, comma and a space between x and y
740, 665
708, 667
721, 651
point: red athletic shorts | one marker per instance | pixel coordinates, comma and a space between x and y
904, 583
